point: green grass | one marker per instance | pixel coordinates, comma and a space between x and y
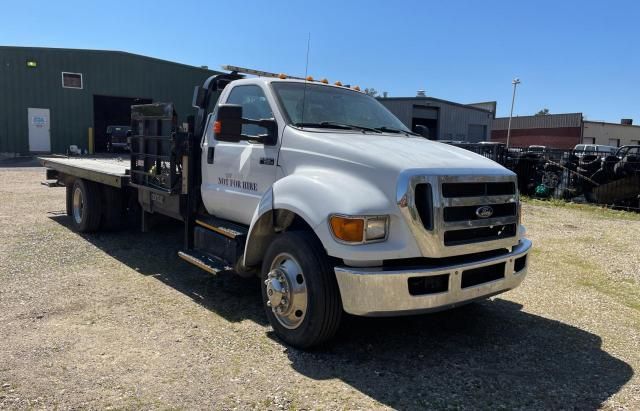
625, 292
597, 210
590, 274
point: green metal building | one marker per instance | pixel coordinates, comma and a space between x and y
50, 98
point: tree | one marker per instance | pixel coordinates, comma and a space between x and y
371, 92
543, 112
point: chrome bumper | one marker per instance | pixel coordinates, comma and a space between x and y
385, 292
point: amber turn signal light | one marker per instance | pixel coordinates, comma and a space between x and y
347, 229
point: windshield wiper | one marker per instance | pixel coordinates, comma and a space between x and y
341, 126
395, 130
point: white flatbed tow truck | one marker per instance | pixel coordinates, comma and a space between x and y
318, 190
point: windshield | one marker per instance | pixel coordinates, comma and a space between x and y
332, 106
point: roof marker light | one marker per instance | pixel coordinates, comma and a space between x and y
356, 88
338, 83
282, 76
325, 81
309, 78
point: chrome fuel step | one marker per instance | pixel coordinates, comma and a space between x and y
203, 261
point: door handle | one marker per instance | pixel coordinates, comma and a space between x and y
210, 152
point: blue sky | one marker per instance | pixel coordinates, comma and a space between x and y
572, 56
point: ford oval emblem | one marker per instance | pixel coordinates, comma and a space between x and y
484, 211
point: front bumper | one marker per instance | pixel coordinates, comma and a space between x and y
378, 292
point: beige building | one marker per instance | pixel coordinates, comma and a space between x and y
611, 134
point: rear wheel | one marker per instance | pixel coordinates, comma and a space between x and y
85, 206
299, 291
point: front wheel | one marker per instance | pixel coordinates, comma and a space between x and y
299, 291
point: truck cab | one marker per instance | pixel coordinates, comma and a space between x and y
408, 225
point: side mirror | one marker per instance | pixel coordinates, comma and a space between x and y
422, 130
228, 125
229, 121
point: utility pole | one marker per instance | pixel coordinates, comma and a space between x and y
515, 83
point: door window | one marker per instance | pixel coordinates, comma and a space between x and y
254, 106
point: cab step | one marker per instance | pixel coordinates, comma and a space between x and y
220, 238
226, 228
203, 261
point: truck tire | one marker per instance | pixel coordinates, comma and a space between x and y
299, 290
85, 206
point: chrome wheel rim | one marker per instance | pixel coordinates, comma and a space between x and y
286, 289
78, 205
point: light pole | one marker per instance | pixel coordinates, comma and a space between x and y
515, 83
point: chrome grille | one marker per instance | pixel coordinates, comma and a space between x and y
444, 212
469, 212
480, 234
478, 189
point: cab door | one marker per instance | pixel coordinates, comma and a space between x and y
237, 174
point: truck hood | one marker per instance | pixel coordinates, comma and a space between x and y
397, 153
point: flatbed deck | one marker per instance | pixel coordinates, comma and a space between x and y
112, 171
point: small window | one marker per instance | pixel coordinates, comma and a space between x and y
71, 80
254, 106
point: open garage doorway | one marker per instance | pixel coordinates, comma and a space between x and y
430, 124
428, 117
111, 111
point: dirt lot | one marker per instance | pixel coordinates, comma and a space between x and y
117, 320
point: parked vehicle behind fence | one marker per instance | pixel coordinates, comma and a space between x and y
117, 138
582, 149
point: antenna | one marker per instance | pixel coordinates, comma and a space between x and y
306, 69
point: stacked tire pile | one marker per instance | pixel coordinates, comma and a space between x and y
573, 176
600, 171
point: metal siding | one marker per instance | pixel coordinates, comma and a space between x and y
602, 132
103, 73
454, 119
549, 121
401, 109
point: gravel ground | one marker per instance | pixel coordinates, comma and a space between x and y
116, 320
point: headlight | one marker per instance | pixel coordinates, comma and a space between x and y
375, 228
359, 229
